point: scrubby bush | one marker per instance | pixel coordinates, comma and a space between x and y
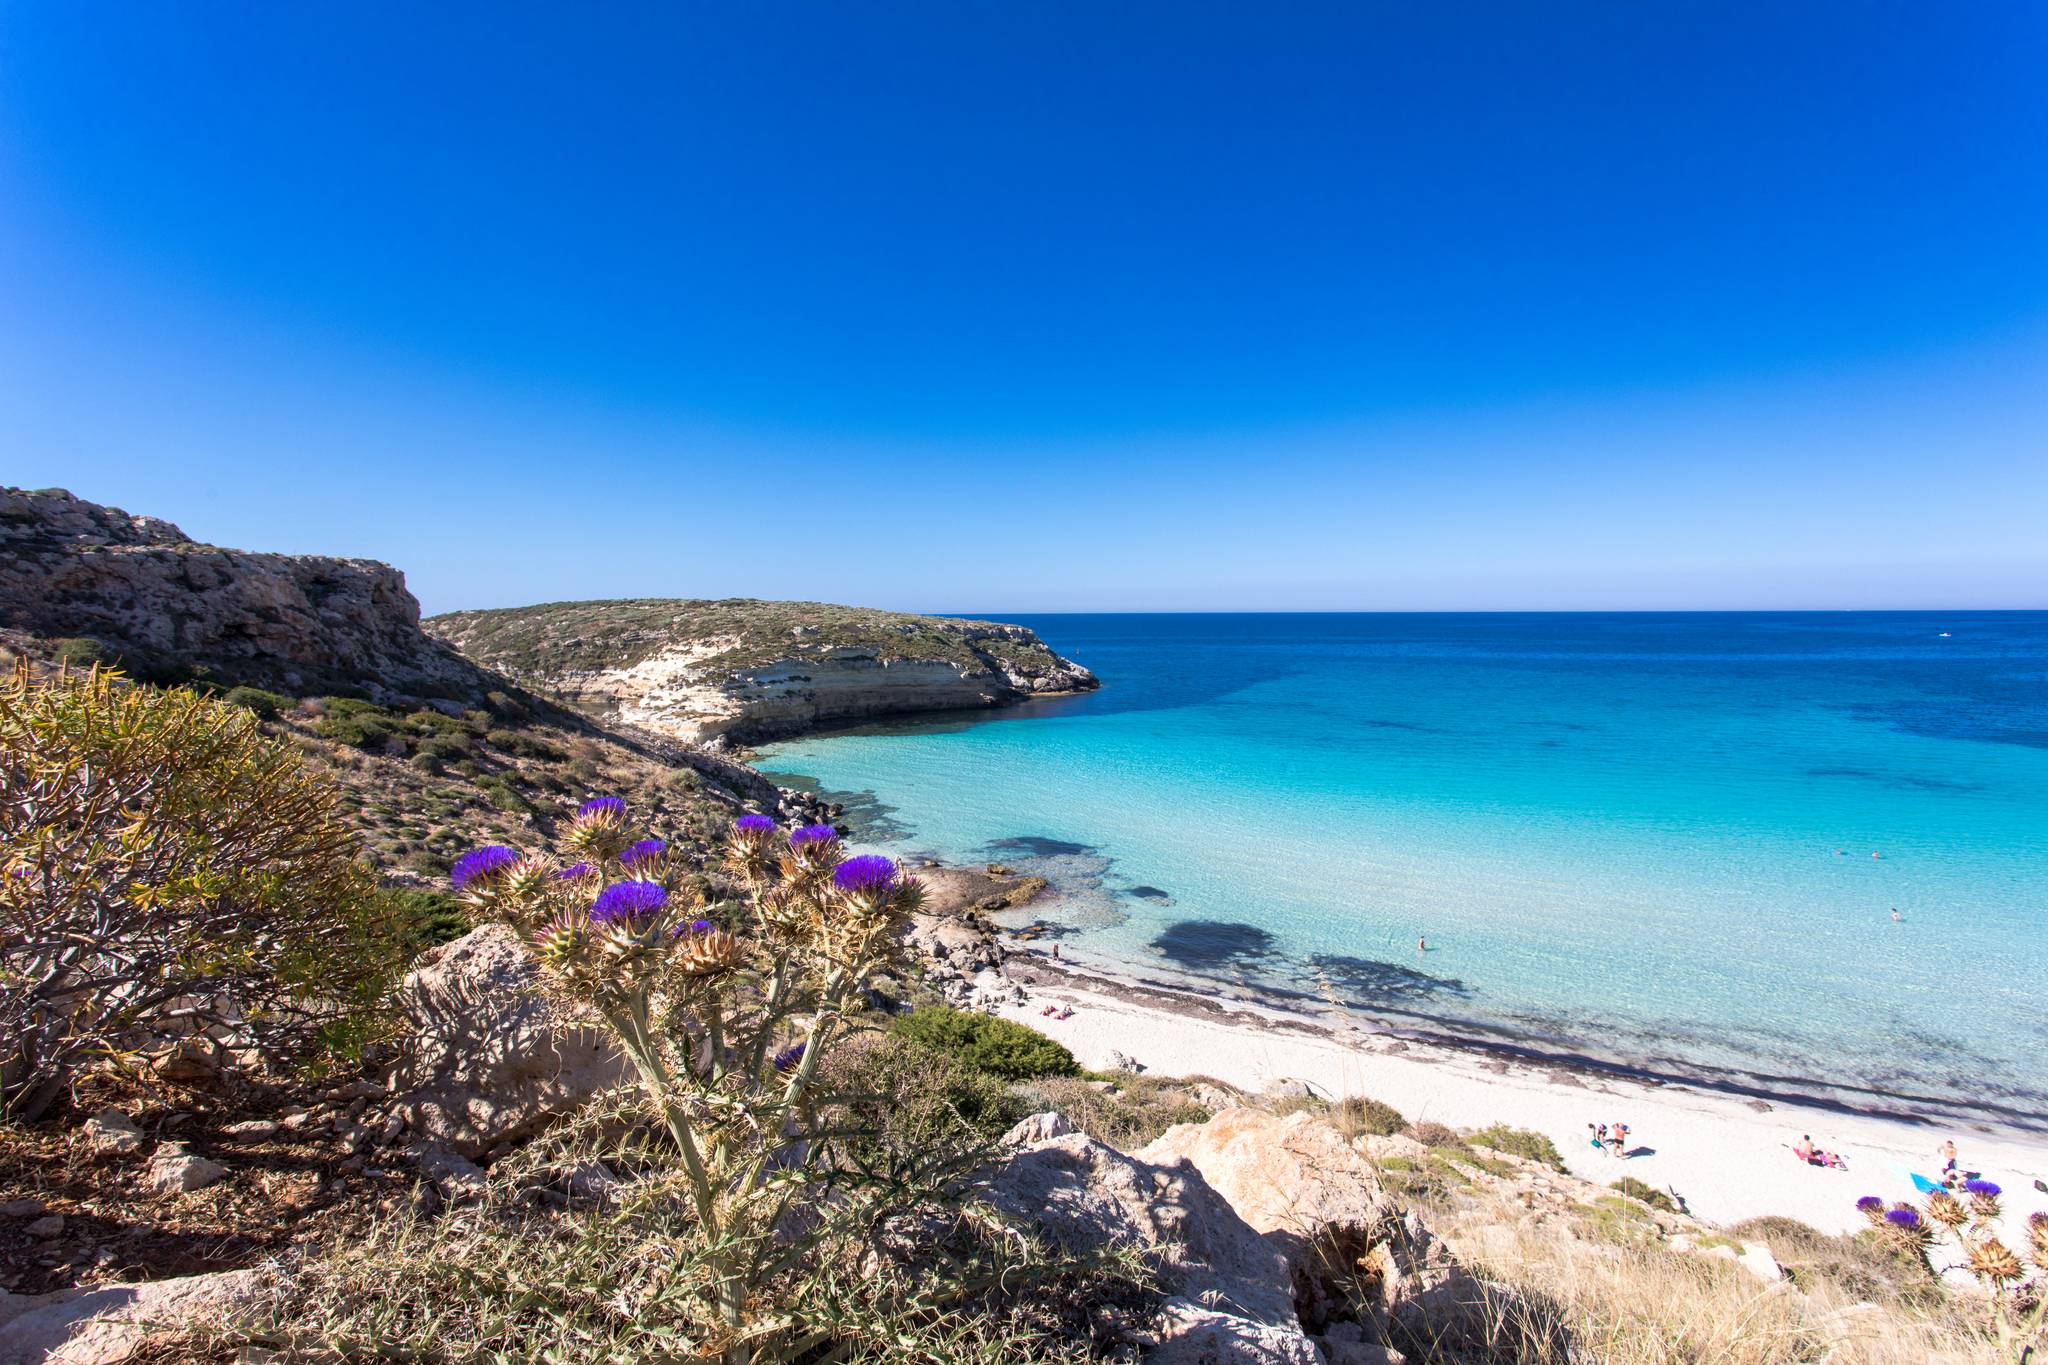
500, 793
264, 704
84, 652
362, 724
1000, 1047
1359, 1115
159, 850
1521, 1142
1129, 1115
1432, 1134
456, 744
522, 744
906, 1098
424, 919
1645, 1193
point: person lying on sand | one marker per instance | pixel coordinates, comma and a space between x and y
1814, 1156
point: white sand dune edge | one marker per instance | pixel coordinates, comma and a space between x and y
1729, 1161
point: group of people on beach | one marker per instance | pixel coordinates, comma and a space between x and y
1610, 1138
1814, 1156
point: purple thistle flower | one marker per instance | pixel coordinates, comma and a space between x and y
627, 901
700, 926
812, 834
1903, 1218
573, 871
487, 861
1982, 1187
787, 1059
755, 824
1869, 1203
870, 874
647, 850
602, 805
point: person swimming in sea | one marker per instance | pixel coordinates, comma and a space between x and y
1896, 917
1421, 944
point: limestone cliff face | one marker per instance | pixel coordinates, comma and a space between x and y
753, 670
301, 623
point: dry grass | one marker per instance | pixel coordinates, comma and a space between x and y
1138, 1110
1650, 1306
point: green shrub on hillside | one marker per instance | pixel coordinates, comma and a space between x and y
1433, 1134
911, 1098
168, 850
1648, 1194
1522, 1142
997, 1046
365, 725
84, 652
424, 919
264, 704
1360, 1114
524, 745
1136, 1111
501, 794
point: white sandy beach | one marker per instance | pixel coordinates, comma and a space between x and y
1728, 1160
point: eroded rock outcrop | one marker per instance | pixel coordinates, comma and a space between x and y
1353, 1257
114, 1323
752, 670
491, 1058
164, 602
1227, 1287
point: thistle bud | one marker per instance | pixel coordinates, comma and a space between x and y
1946, 1209
707, 952
1993, 1260
747, 847
598, 829
2037, 1233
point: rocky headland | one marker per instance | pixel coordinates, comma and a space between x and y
748, 670
168, 605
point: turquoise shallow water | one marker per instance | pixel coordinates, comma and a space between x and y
1639, 838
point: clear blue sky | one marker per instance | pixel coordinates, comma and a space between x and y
1046, 306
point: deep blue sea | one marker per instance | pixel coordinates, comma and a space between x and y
1646, 839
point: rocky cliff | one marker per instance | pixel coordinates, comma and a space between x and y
166, 604
755, 670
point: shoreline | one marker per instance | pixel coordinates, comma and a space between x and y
1311, 1012
1727, 1155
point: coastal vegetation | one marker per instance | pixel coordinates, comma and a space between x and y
1006, 1050
175, 879
551, 639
